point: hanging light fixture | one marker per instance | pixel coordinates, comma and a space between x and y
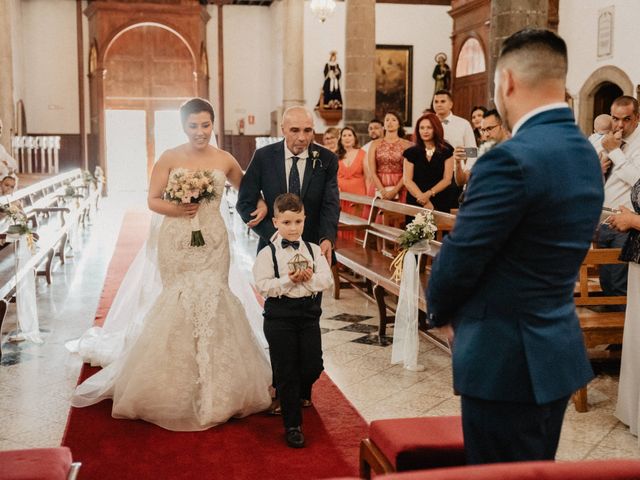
322, 8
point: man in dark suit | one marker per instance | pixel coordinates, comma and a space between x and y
502, 285
314, 179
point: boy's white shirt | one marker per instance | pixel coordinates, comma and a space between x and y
270, 286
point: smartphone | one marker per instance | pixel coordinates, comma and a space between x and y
471, 151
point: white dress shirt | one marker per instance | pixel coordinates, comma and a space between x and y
8, 164
270, 286
458, 132
288, 161
625, 171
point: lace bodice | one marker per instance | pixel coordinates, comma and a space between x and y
389, 157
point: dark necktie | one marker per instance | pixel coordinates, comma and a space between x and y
288, 243
294, 177
608, 174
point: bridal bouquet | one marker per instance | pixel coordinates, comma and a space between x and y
191, 186
416, 236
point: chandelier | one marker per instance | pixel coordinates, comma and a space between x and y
322, 8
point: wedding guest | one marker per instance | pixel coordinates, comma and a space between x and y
351, 177
330, 139
8, 184
291, 274
627, 408
386, 160
493, 132
428, 166
457, 132
477, 114
622, 170
375, 131
8, 164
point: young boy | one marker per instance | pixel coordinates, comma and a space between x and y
292, 310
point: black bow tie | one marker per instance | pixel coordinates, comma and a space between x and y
288, 243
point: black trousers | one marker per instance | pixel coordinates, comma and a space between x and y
292, 328
511, 432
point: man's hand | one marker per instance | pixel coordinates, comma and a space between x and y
325, 249
447, 331
459, 157
301, 276
611, 141
258, 214
605, 162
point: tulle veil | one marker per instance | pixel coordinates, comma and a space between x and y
106, 346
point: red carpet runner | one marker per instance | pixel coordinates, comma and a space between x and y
249, 448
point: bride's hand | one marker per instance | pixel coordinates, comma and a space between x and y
188, 210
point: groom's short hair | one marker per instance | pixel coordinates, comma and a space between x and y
195, 105
288, 202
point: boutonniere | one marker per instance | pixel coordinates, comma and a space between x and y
315, 155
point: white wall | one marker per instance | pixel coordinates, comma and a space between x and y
579, 27
247, 67
17, 51
50, 66
212, 51
428, 28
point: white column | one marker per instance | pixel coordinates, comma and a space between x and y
293, 53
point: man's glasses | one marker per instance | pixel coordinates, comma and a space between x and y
488, 129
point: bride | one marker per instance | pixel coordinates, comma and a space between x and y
186, 358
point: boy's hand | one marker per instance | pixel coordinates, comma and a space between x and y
301, 276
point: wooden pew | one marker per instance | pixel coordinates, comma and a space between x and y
598, 327
372, 262
40, 201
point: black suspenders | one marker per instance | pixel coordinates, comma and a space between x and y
276, 270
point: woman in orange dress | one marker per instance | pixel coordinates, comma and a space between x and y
351, 176
386, 161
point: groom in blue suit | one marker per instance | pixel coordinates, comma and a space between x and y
314, 179
502, 285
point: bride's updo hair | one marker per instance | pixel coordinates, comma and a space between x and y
195, 105
288, 202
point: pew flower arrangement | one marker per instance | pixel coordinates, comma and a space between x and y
19, 225
416, 234
191, 186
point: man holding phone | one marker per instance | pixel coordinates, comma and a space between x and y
458, 133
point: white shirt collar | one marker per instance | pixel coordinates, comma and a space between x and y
536, 111
288, 154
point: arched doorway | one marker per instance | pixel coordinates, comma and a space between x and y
604, 96
148, 73
606, 83
144, 60
470, 77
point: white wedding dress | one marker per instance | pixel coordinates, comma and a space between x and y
194, 361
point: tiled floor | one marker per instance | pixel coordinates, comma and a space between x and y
36, 381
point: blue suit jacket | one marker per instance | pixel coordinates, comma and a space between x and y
319, 191
505, 276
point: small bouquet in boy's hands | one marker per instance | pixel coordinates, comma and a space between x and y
418, 233
191, 186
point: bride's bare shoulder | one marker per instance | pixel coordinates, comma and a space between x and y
224, 158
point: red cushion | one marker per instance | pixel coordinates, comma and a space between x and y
35, 464
583, 470
416, 443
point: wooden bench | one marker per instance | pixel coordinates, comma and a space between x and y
369, 259
598, 327
39, 201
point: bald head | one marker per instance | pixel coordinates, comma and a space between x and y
297, 128
602, 124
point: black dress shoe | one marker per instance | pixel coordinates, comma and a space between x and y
294, 437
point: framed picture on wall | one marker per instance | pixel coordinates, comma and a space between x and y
394, 80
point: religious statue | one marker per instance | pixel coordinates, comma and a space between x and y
442, 73
331, 97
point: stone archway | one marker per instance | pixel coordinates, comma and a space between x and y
599, 78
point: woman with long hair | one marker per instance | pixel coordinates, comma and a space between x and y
477, 114
386, 160
351, 176
428, 166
